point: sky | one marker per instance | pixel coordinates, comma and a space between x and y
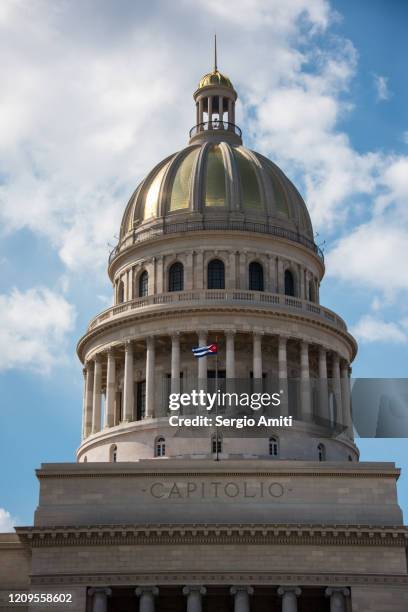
95, 93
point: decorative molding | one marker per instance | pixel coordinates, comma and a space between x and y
228, 578
193, 534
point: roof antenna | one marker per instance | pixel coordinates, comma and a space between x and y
215, 52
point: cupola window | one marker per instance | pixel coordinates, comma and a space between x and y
176, 277
289, 283
216, 274
256, 276
143, 284
215, 191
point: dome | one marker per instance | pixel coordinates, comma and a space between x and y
215, 78
217, 182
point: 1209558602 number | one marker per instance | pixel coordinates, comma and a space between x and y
30, 598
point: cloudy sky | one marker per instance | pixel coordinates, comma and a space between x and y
94, 93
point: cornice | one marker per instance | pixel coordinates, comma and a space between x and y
225, 578
214, 534
166, 314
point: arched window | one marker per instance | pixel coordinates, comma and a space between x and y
176, 277
216, 274
85, 459
160, 447
273, 447
114, 453
289, 283
121, 292
321, 452
143, 284
216, 444
350, 458
256, 276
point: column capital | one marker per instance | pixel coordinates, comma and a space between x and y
194, 588
100, 591
150, 341
283, 338
147, 590
241, 587
175, 335
230, 332
97, 358
289, 589
128, 345
333, 590
336, 357
322, 350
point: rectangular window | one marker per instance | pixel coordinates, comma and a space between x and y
140, 400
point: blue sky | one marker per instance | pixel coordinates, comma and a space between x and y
96, 93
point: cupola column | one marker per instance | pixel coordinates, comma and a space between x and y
97, 394
210, 111
150, 387
175, 363
220, 108
128, 388
200, 110
110, 390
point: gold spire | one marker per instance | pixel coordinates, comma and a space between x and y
215, 77
215, 52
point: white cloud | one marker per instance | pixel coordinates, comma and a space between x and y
33, 330
372, 329
372, 256
6, 521
381, 87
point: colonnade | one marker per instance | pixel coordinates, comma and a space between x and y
94, 383
289, 595
211, 103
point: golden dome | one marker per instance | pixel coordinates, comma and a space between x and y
215, 78
212, 181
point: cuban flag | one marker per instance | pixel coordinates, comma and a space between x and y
202, 351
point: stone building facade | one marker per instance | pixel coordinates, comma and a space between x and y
216, 246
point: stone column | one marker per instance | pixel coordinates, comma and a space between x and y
146, 596
194, 594
230, 354
281, 277
197, 114
202, 361
257, 356
305, 397
88, 400
209, 102
160, 286
289, 596
283, 375
175, 363
110, 390
345, 397
337, 389
128, 383
220, 108
337, 598
200, 111
150, 387
241, 597
231, 280
323, 388
97, 395
100, 599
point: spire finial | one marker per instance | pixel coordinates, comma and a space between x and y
215, 52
